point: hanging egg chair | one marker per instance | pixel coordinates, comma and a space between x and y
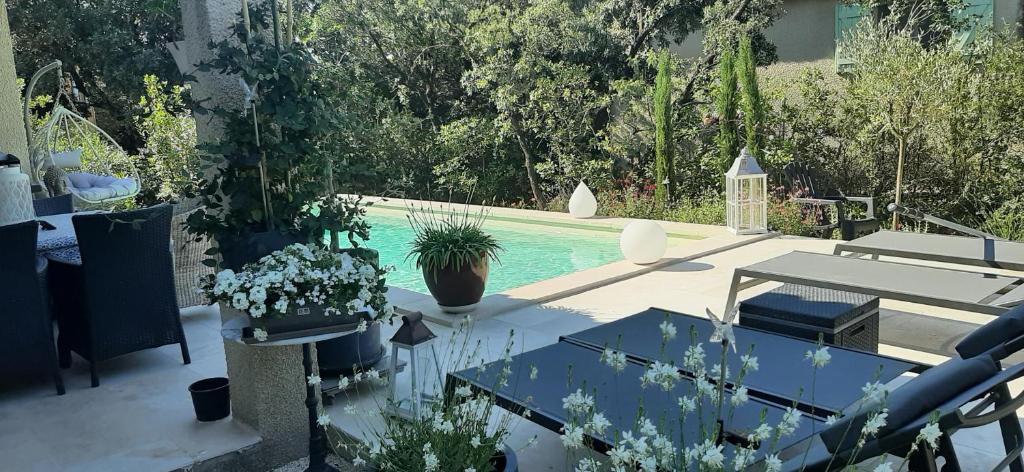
88, 163
97, 171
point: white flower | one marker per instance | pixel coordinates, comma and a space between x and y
740, 397
475, 442
587, 464
313, 379
614, 359
742, 458
749, 363
712, 454
430, 462
687, 404
930, 434
240, 301
343, 382
463, 391
761, 433
647, 428
533, 372
257, 311
772, 463
373, 374
259, 334
831, 420
578, 402
693, 359
790, 420
874, 391
358, 461
883, 467
441, 424
598, 423
668, 330
281, 305
323, 420
874, 423
361, 328
820, 357
706, 388
350, 409
470, 469
572, 436
665, 375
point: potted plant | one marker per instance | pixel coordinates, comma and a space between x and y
454, 253
298, 289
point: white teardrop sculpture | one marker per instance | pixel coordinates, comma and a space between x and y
643, 242
582, 203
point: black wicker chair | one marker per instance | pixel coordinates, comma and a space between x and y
26, 328
53, 205
120, 298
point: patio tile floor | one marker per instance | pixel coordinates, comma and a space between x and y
141, 418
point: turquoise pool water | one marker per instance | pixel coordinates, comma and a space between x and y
532, 252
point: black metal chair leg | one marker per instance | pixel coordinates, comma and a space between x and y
949, 454
185, 357
59, 382
63, 355
92, 373
1009, 427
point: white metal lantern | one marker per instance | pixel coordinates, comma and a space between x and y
15, 192
413, 343
746, 196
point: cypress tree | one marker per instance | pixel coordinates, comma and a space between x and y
725, 102
663, 148
753, 106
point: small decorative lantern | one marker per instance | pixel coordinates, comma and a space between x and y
416, 340
643, 242
15, 192
582, 203
746, 196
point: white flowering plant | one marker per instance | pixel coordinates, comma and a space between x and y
464, 433
300, 276
650, 445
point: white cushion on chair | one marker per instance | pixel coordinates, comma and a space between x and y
100, 187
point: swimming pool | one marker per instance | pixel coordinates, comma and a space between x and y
533, 252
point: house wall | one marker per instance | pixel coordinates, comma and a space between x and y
12, 125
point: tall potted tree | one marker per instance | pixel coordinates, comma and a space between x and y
454, 253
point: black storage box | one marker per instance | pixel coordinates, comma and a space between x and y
843, 318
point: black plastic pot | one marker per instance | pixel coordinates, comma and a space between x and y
240, 251
211, 398
505, 460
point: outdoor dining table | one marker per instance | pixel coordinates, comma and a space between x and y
61, 237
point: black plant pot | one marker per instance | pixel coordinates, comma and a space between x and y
457, 290
342, 355
211, 398
505, 460
237, 252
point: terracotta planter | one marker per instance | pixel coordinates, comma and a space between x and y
458, 291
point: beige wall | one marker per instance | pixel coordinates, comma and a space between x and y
806, 31
12, 125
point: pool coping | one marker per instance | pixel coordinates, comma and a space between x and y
687, 247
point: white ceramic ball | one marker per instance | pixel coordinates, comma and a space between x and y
582, 203
643, 242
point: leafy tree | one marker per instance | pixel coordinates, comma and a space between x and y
663, 147
106, 48
725, 102
753, 106
169, 154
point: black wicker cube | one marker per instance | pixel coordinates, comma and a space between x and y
842, 318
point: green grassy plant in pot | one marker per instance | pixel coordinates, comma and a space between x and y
454, 253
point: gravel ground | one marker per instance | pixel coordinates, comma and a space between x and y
300, 465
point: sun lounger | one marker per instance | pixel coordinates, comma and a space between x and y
962, 393
619, 397
947, 288
779, 382
937, 247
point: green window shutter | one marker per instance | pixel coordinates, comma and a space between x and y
978, 14
847, 18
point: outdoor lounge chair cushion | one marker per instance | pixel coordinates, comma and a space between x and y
915, 399
993, 335
100, 187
